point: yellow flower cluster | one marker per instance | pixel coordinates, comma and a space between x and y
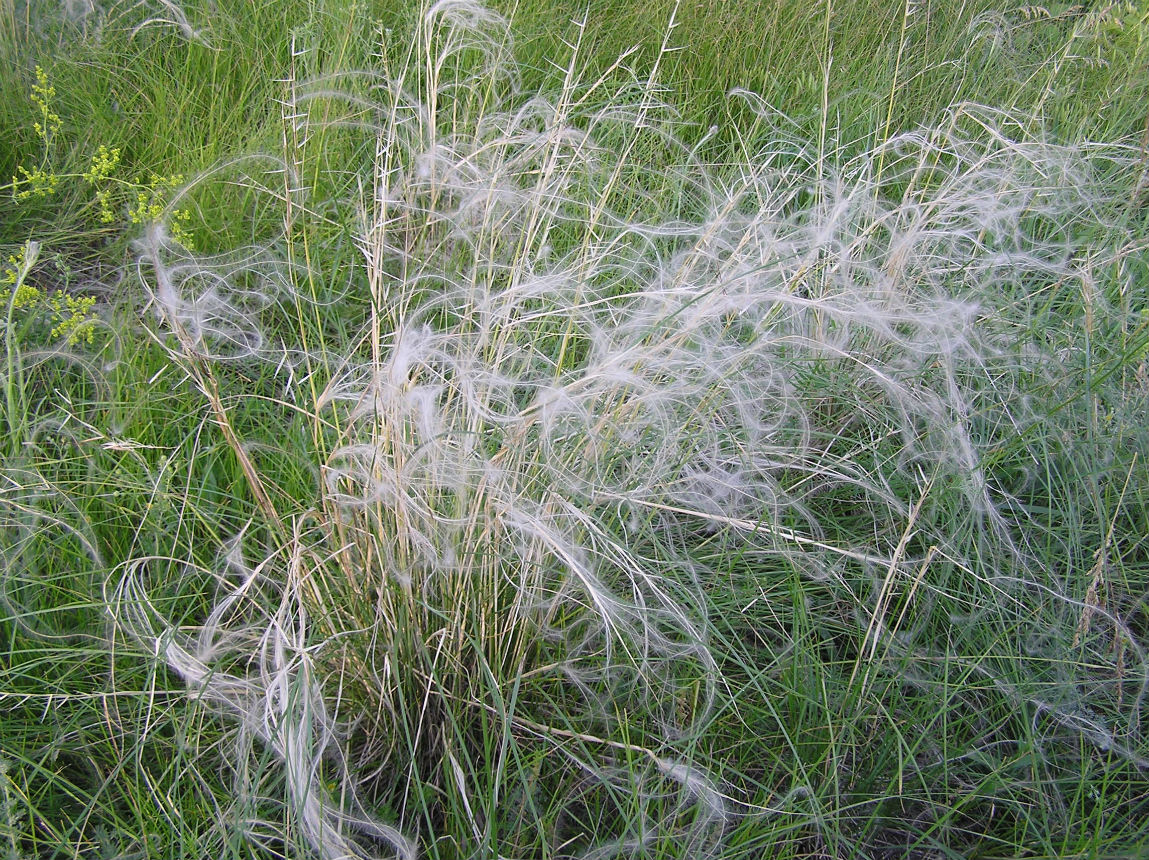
26, 294
104, 164
70, 317
151, 200
42, 95
151, 204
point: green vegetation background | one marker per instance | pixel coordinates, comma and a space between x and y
108, 455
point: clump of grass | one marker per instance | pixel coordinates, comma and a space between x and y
488, 628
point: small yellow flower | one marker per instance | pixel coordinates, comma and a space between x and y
42, 95
70, 317
26, 295
104, 164
40, 183
151, 206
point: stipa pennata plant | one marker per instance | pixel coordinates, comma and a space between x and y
560, 396
92, 19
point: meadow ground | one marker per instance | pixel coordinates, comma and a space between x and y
701, 429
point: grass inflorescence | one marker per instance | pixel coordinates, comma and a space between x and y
491, 459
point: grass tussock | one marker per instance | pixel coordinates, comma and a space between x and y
601, 500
